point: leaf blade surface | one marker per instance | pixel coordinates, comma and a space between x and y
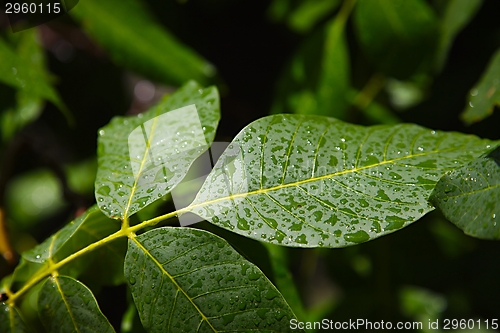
470, 197
11, 321
66, 305
141, 158
186, 280
316, 181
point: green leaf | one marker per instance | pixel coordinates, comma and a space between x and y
133, 38
315, 181
11, 321
485, 95
66, 305
23, 71
23, 272
317, 80
141, 158
470, 197
309, 12
28, 106
334, 82
397, 35
88, 228
187, 280
455, 17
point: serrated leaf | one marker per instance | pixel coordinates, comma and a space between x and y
398, 36
66, 305
470, 197
88, 228
457, 14
11, 321
141, 158
134, 39
485, 94
316, 181
187, 280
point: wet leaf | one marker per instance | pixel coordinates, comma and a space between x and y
141, 158
470, 197
397, 35
485, 95
134, 39
315, 181
88, 228
186, 280
457, 14
11, 321
66, 305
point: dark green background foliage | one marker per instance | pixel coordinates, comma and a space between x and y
434, 63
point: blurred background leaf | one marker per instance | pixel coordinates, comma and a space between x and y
133, 38
456, 15
398, 36
485, 95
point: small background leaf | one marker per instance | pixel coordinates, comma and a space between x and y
66, 305
141, 158
457, 13
485, 95
133, 38
396, 35
28, 106
23, 69
302, 15
470, 197
317, 80
11, 321
315, 181
186, 280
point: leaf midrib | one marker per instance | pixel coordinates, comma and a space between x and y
56, 281
179, 288
143, 162
305, 181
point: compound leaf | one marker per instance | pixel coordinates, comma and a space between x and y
141, 158
470, 197
134, 39
66, 305
187, 280
312, 181
10, 320
485, 95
